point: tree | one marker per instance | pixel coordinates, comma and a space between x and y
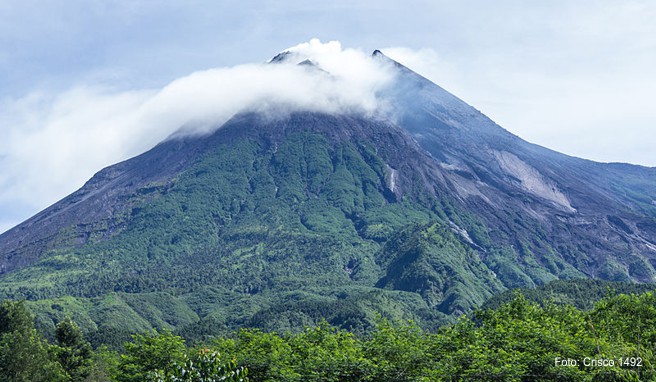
73, 352
24, 355
150, 353
325, 353
267, 356
400, 352
205, 365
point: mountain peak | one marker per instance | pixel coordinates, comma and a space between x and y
280, 57
415, 204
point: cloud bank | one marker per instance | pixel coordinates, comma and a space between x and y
55, 142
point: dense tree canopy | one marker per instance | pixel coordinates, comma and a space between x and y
519, 340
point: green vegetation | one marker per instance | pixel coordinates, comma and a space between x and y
518, 341
430, 260
582, 294
24, 355
276, 236
73, 353
281, 232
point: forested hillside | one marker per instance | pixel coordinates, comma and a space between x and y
314, 224
582, 294
518, 341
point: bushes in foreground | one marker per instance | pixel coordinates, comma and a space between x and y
519, 341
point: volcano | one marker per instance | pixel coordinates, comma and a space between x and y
421, 211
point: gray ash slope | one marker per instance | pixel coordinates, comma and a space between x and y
599, 217
435, 201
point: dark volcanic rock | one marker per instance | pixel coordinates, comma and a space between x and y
433, 199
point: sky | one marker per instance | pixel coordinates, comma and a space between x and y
87, 83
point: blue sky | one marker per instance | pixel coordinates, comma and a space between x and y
578, 77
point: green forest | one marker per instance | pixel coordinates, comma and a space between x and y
516, 340
280, 232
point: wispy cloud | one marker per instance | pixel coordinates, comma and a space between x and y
574, 76
55, 142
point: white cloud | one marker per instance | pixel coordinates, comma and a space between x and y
56, 142
571, 76
345, 79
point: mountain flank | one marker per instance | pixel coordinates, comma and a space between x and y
421, 211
